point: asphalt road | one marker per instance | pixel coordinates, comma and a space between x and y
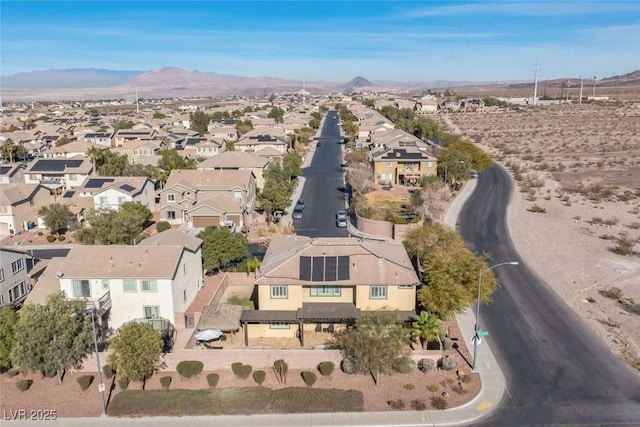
558, 372
323, 191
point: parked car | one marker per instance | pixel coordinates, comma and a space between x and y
341, 214
341, 222
297, 213
300, 204
474, 175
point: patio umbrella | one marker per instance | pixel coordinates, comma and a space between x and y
209, 335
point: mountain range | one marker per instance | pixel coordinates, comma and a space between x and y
93, 83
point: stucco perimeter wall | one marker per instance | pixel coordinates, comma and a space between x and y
375, 227
400, 230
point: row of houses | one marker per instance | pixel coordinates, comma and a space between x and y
303, 284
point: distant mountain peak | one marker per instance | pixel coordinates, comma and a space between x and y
359, 81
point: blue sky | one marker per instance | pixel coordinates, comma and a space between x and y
330, 41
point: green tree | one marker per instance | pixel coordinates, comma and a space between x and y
11, 151
159, 115
97, 157
314, 123
136, 352
454, 165
427, 328
450, 281
112, 164
111, 227
63, 141
221, 247
350, 128
199, 121
52, 337
377, 339
292, 164
369, 103
244, 126
424, 127
172, 160
8, 320
56, 217
123, 124
277, 114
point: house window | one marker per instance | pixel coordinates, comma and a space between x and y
121, 200
103, 200
280, 325
325, 291
279, 292
377, 292
429, 164
389, 164
171, 197
105, 284
149, 286
17, 265
237, 194
16, 292
151, 311
1, 274
171, 215
405, 286
81, 289
129, 285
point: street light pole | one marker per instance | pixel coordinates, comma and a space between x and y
95, 343
476, 337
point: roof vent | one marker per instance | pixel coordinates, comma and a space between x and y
60, 274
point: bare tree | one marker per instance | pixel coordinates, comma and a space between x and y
435, 196
360, 177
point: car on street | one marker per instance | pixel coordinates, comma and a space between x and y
341, 222
300, 204
297, 213
341, 214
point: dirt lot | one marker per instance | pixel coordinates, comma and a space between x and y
575, 214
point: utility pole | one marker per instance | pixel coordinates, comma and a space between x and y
137, 103
595, 80
535, 86
580, 100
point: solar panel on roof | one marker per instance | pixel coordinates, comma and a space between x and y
69, 194
331, 269
98, 182
343, 268
317, 271
55, 165
4, 170
127, 187
305, 268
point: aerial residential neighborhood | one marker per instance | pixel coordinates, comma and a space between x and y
319, 213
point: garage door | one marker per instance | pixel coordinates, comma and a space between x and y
206, 221
235, 219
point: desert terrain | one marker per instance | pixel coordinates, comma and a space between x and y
575, 211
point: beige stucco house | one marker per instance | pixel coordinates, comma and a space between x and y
19, 205
322, 284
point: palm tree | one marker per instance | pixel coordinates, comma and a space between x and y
427, 328
96, 155
9, 149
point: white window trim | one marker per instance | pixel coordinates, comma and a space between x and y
382, 288
153, 284
124, 286
1, 274
171, 197
17, 266
326, 291
280, 325
278, 288
105, 284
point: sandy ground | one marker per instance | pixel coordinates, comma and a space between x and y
581, 165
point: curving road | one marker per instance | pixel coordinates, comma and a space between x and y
323, 191
558, 372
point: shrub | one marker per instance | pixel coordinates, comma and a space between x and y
189, 368
349, 365
448, 363
23, 385
418, 405
326, 368
591, 299
447, 343
51, 238
403, 365
259, 377
537, 209
433, 388
212, 380
162, 226
108, 371
165, 382
280, 368
61, 238
438, 402
309, 378
12, 372
396, 404
40, 233
123, 383
613, 293
409, 386
624, 246
241, 371
85, 381
425, 365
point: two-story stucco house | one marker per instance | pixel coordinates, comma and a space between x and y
19, 205
207, 198
263, 137
323, 284
58, 173
403, 166
14, 279
117, 190
102, 139
128, 135
237, 160
158, 278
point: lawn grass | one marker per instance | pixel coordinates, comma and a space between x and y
382, 203
243, 300
233, 401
